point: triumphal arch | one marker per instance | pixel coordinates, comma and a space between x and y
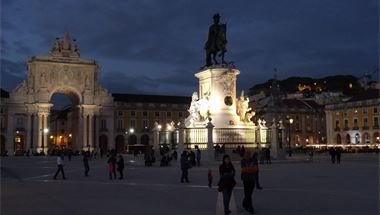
62, 71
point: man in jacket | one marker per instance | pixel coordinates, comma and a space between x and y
184, 167
249, 168
60, 167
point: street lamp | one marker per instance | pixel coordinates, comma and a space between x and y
44, 132
131, 131
290, 121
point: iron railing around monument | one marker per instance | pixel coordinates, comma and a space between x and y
195, 137
169, 139
231, 138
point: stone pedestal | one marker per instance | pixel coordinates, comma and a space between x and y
217, 86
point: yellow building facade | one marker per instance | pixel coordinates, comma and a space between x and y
356, 121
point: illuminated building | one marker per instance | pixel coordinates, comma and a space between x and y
355, 122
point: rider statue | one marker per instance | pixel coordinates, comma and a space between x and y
216, 42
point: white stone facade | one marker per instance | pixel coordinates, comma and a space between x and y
63, 71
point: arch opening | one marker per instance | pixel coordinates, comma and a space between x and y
64, 120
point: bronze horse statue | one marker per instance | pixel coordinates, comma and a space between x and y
216, 42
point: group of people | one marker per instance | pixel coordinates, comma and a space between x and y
115, 163
335, 154
189, 159
249, 177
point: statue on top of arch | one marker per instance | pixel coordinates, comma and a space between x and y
65, 47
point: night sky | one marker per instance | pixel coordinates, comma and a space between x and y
155, 47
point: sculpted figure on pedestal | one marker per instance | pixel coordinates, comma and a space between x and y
242, 108
216, 41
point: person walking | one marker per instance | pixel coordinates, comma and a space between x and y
332, 154
69, 154
257, 181
112, 166
267, 155
338, 153
249, 168
120, 166
86, 164
184, 167
227, 182
209, 178
60, 167
198, 155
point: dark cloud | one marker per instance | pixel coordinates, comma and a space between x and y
154, 47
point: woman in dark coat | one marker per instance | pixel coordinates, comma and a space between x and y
112, 166
120, 166
227, 181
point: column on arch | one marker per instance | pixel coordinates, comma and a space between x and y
85, 131
29, 131
90, 128
9, 145
39, 131
46, 134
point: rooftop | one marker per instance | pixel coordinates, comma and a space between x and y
366, 95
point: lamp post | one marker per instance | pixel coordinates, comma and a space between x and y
44, 132
290, 121
130, 132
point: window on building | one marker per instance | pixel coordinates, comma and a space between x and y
375, 110
168, 114
133, 123
346, 123
365, 111
145, 114
120, 124
355, 123
103, 124
133, 113
120, 113
365, 122
355, 111
376, 122
345, 113
145, 123
337, 124
20, 122
1, 110
2, 122
180, 114
157, 114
